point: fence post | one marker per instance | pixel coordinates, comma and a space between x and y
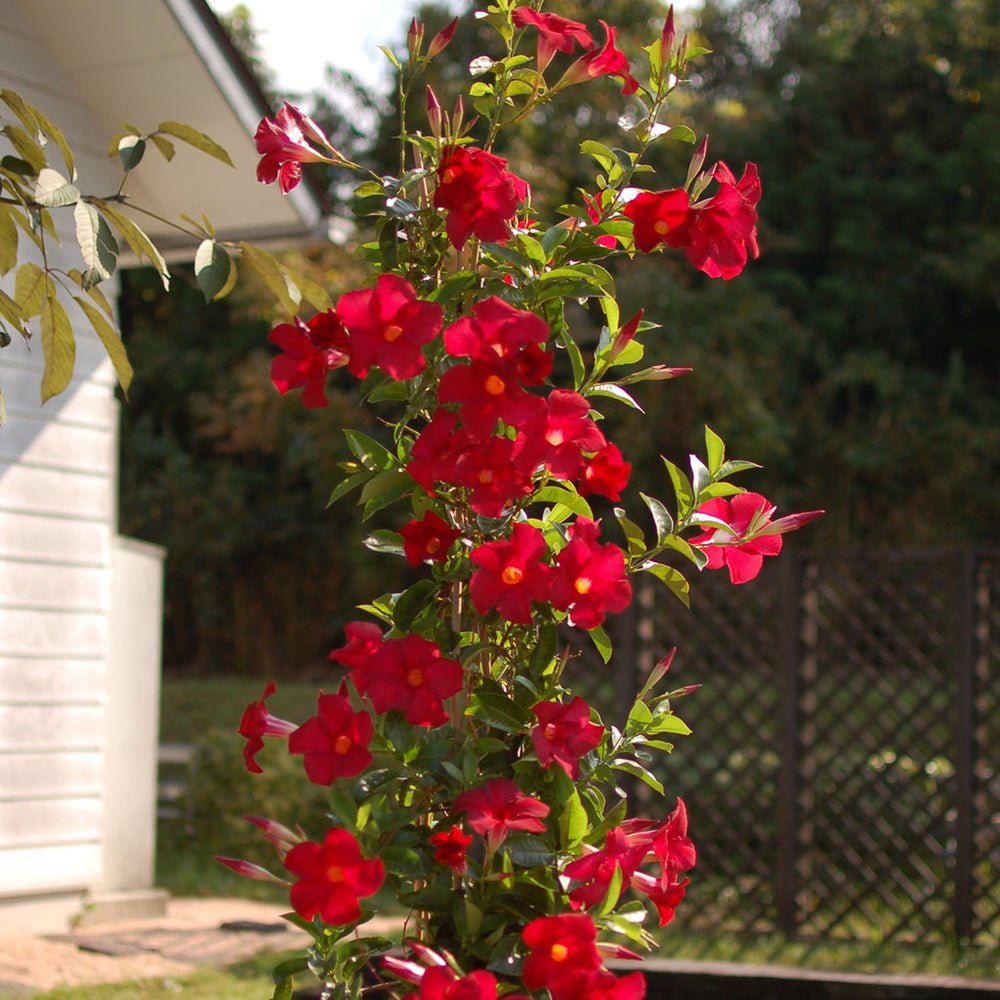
788, 789
963, 646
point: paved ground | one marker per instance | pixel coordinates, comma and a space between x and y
193, 932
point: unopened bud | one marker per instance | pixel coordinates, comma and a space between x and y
457, 116
668, 38
414, 39
442, 39
433, 113
249, 870
697, 161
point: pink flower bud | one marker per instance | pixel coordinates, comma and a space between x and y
249, 870
668, 37
414, 38
457, 116
433, 113
442, 39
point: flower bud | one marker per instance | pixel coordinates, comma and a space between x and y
442, 39
457, 116
697, 161
433, 113
249, 870
414, 39
667, 38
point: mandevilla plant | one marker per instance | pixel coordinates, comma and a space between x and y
465, 776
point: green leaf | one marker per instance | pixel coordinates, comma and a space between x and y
528, 851
140, 244
662, 520
165, 146
638, 771
98, 246
214, 270
383, 489
601, 642
111, 340
8, 240
30, 286
575, 357
499, 711
282, 989
611, 897
733, 466
700, 475
58, 346
14, 314
290, 967
412, 602
667, 722
715, 449
454, 286
545, 649
369, 452
675, 581
682, 489
33, 119
195, 138
53, 190
573, 822
567, 498
25, 146
271, 274
384, 540
390, 55
130, 151
634, 536
612, 391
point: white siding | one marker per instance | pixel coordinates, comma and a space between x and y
57, 523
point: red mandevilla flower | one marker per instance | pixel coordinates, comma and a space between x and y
568, 431
451, 848
564, 734
743, 556
388, 326
332, 877
363, 639
494, 331
656, 214
672, 846
511, 574
596, 870
589, 579
609, 60
561, 947
429, 538
440, 983
666, 898
257, 722
603, 985
555, 33
310, 351
499, 807
282, 141
409, 675
605, 473
479, 195
487, 392
334, 742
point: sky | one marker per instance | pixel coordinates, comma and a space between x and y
300, 37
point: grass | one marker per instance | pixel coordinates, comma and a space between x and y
191, 706
247, 980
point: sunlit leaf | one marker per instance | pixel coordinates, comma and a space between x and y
195, 138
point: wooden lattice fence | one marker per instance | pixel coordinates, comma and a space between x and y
844, 776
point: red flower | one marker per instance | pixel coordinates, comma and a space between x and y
603, 985
751, 535
428, 538
282, 141
437, 450
568, 432
332, 877
511, 574
672, 846
487, 393
555, 33
622, 850
562, 948
500, 807
593, 207
589, 579
388, 326
564, 734
311, 350
440, 983
479, 194
666, 898
494, 331
450, 848
606, 61
605, 474
409, 675
496, 473
363, 640
334, 742
257, 722
657, 214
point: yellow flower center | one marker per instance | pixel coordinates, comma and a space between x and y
512, 576
583, 585
661, 227
559, 953
550, 731
555, 438
415, 677
432, 546
392, 333
342, 744
335, 874
495, 385
449, 175
486, 476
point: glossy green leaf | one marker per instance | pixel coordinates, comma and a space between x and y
214, 270
715, 449
271, 274
411, 603
369, 452
682, 489
601, 642
98, 246
612, 391
662, 519
638, 771
499, 711
675, 581
573, 821
131, 149
383, 540
567, 498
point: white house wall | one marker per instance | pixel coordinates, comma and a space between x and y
57, 531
